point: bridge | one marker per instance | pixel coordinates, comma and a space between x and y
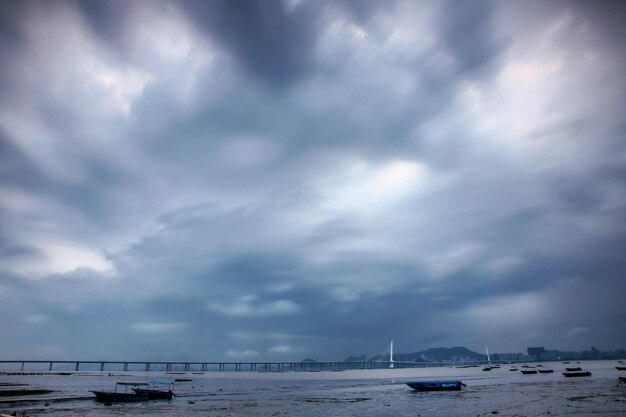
192, 366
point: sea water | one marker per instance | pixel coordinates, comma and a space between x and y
326, 394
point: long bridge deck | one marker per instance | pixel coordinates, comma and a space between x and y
190, 366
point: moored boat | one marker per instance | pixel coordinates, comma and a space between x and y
529, 371
545, 371
153, 393
447, 385
573, 369
123, 392
573, 374
621, 368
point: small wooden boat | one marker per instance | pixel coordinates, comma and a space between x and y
513, 369
573, 369
529, 371
154, 393
574, 374
123, 393
487, 368
545, 371
621, 380
448, 385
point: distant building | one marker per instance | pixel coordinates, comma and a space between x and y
536, 352
550, 355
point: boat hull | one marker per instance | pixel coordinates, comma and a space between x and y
576, 374
435, 385
109, 397
154, 394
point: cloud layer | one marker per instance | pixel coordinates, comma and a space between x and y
245, 179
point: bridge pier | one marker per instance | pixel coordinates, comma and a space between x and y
101, 366
50, 367
125, 366
77, 366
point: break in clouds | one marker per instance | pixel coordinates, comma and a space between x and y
290, 179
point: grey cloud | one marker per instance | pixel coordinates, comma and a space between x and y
268, 40
468, 34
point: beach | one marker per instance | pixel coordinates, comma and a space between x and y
347, 393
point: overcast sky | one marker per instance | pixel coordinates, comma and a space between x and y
267, 180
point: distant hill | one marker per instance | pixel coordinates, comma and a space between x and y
428, 355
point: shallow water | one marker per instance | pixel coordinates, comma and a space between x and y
325, 394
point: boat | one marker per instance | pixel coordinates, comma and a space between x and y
621, 380
545, 371
487, 368
621, 368
447, 385
123, 392
576, 374
513, 369
573, 369
529, 371
154, 393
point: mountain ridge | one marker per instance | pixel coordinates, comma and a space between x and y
435, 354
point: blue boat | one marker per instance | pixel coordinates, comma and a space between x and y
449, 385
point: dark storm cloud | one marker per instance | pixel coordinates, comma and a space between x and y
468, 34
110, 20
270, 41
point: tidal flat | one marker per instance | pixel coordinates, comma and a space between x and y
326, 394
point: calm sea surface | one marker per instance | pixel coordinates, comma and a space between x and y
348, 393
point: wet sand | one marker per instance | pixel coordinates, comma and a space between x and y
347, 393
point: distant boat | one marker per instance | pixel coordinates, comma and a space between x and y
450, 385
576, 374
573, 369
621, 380
529, 371
123, 392
621, 368
513, 369
545, 371
487, 368
154, 393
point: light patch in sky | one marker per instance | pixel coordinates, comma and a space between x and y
248, 151
365, 188
62, 256
247, 306
78, 65
504, 265
442, 264
241, 354
156, 327
173, 51
526, 309
36, 319
283, 349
